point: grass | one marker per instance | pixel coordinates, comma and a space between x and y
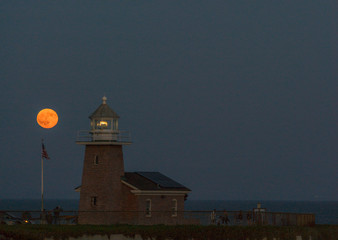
178, 232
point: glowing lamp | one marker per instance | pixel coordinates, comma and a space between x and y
103, 123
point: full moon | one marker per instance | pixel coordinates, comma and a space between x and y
47, 118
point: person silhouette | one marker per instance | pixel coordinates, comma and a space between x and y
57, 211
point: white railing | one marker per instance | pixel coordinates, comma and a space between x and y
89, 136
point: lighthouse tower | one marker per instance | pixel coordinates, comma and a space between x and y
103, 168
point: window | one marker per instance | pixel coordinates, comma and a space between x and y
96, 160
93, 201
174, 208
148, 208
115, 124
102, 124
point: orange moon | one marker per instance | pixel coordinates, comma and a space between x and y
47, 118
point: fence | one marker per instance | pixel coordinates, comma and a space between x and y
248, 218
231, 218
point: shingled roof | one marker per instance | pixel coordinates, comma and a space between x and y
104, 111
152, 181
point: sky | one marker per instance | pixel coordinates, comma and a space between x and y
237, 100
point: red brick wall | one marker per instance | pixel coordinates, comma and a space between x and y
161, 209
102, 181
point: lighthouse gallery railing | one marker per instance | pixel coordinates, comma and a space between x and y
119, 136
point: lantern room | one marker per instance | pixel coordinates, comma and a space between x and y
104, 118
104, 123
104, 128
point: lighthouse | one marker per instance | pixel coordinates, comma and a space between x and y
103, 166
108, 194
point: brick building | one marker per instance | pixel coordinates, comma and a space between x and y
108, 194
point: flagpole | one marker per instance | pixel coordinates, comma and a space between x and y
41, 180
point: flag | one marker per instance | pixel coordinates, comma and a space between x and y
44, 153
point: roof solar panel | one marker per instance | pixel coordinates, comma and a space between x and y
160, 179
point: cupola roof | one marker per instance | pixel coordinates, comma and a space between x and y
104, 111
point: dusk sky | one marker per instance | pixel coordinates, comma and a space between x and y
237, 100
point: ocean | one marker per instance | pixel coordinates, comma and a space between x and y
326, 212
